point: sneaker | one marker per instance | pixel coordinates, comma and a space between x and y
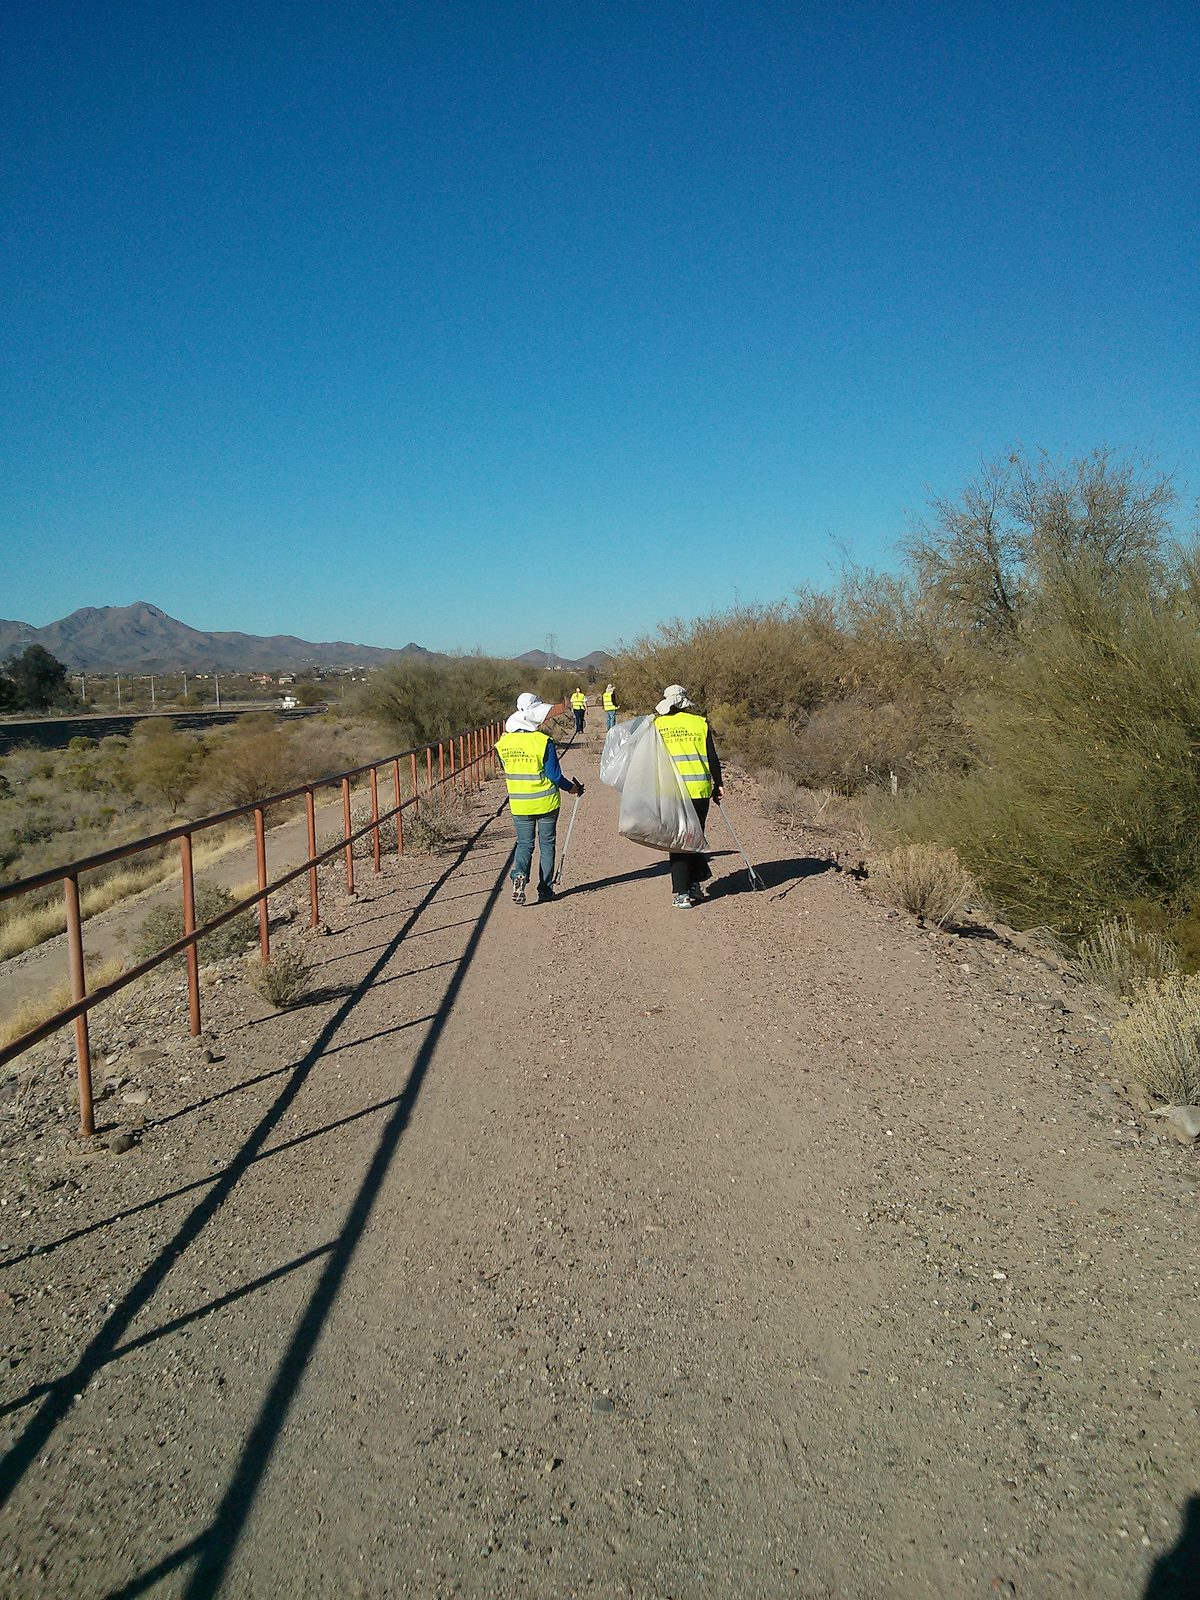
546, 894
696, 894
681, 902
518, 884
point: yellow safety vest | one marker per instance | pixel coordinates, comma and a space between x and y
530, 792
686, 739
610, 703
578, 702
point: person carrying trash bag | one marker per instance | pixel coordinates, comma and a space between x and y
690, 745
609, 703
534, 778
579, 707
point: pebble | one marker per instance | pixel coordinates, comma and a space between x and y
602, 1403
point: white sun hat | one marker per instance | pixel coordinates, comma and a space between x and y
529, 715
674, 699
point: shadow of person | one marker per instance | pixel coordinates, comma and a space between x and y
781, 874
1176, 1575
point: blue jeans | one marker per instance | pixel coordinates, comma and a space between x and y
578, 720
612, 718
522, 865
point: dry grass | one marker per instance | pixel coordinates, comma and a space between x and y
38, 1007
1120, 956
1158, 1041
22, 930
282, 979
927, 880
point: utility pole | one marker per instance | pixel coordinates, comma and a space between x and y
217, 683
551, 648
118, 691
185, 686
153, 701
83, 688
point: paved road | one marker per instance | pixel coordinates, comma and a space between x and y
55, 733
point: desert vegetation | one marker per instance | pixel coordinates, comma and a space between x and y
61, 806
1023, 693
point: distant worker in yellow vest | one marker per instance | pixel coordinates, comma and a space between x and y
610, 706
534, 779
579, 707
690, 746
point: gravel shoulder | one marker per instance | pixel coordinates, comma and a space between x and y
775, 1248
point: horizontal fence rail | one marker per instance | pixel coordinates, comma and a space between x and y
448, 765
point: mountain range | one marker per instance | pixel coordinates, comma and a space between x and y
142, 638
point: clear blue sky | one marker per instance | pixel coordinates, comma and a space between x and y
468, 322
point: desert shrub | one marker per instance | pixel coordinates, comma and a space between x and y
162, 763
1158, 1041
1087, 797
360, 817
164, 924
781, 799
255, 760
281, 979
927, 880
422, 701
1120, 956
431, 829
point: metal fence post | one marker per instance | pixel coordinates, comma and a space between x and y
412, 756
83, 1053
347, 829
441, 768
192, 956
375, 816
428, 769
310, 817
260, 856
399, 800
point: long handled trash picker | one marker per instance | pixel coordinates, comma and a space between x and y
562, 860
755, 881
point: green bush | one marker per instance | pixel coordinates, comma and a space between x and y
163, 924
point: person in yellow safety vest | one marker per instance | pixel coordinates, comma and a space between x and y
690, 745
610, 706
534, 779
579, 706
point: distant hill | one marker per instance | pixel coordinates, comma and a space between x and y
141, 638
600, 659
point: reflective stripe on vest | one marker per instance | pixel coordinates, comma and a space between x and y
530, 792
686, 738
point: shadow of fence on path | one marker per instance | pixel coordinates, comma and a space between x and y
215, 1546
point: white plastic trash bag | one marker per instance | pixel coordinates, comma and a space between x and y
656, 809
618, 747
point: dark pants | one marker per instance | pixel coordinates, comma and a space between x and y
578, 720
688, 869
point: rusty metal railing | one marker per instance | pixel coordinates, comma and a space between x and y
463, 760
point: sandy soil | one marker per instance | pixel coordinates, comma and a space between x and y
774, 1248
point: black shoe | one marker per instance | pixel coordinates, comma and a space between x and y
546, 894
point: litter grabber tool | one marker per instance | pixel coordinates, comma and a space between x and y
562, 860
755, 881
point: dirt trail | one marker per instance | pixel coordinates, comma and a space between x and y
605, 1249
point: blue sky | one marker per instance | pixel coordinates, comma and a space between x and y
466, 323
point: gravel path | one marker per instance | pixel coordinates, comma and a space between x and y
775, 1248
